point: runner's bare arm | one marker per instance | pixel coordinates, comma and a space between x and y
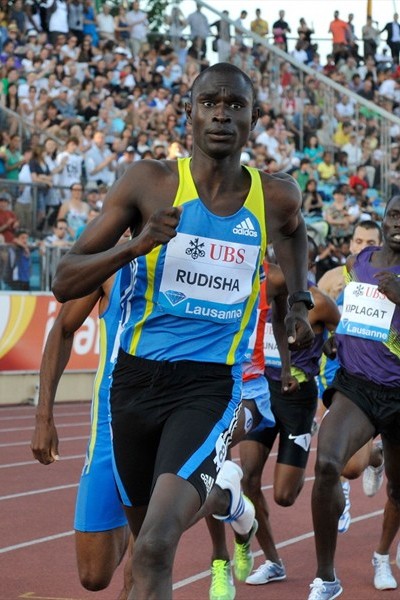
287, 231
56, 354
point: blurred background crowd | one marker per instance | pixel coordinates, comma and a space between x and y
87, 88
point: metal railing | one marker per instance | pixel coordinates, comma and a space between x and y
14, 188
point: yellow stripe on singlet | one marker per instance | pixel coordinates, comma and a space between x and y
96, 390
151, 261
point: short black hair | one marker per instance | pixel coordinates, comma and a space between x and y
396, 197
369, 225
223, 67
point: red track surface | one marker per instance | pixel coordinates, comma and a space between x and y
37, 559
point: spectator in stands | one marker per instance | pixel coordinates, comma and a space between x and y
23, 205
176, 23
331, 255
105, 22
8, 219
326, 169
199, 26
370, 37
125, 161
345, 109
353, 151
300, 51
139, 26
100, 161
280, 29
75, 19
58, 20
13, 159
313, 150
222, 41
239, 26
304, 173
313, 206
70, 162
305, 122
338, 217
392, 30
342, 167
259, 26
367, 90
74, 209
90, 24
41, 175
18, 269
352, 38
305, 32
340, 34
359, 178
60, 237
342, 133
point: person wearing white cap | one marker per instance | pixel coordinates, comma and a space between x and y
32, 42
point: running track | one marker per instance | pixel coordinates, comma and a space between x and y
37, 560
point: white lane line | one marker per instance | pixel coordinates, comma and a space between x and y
56, 415
289, 542
49, 538
43, 491
28, 443
35, 462
59, 426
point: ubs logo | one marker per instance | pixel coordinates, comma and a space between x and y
195, 249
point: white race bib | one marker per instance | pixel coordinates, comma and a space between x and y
271, 352
207, 278
367, 313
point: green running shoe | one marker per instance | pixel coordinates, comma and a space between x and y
243, 559
222, 586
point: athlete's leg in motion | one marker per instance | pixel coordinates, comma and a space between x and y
383, 575
172, 506
99, 554
128, 580
343, 431
360, 461
391, 520
253, 456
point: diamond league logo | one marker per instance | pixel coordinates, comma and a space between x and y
175, 297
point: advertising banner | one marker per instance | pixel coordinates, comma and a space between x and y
25, 322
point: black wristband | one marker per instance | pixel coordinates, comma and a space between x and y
305, 297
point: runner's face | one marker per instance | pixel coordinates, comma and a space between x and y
222, 114
391, 225
362, 238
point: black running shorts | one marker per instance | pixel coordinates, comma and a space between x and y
171, 417
294, 414
381, 404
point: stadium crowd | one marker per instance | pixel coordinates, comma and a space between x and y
85, 90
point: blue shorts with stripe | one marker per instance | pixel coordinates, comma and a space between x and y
257, 390
98, 503
171, 417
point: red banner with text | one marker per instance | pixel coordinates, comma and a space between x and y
25, 322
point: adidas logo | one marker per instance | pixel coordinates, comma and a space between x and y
208, 482
246, 227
